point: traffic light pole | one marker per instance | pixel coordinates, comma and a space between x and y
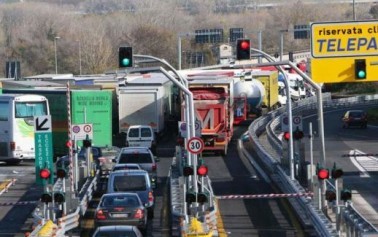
182, 83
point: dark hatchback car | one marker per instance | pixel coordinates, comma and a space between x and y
355, 118
121, 208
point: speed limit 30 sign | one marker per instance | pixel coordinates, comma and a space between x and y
195, 145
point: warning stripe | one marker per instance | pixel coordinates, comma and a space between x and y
70, 153
271, 195
18, 203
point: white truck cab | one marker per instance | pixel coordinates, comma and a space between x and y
141, 136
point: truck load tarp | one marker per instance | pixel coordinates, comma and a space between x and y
209, 94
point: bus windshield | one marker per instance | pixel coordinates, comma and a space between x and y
30, 109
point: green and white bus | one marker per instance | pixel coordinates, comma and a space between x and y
17, 114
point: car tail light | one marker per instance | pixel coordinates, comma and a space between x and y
154, 166
139, 214
150, 197
12, 146
100, 215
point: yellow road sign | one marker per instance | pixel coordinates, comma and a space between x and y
344, 51
336, 70
344, 39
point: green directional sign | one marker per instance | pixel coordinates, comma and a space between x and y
43, 148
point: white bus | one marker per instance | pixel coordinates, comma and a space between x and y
17, 125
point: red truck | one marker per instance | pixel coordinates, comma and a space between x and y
214, 108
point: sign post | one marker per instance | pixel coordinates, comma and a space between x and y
43, 148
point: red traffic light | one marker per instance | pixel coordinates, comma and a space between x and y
202, 170
44, 173
323, 174
244, 44
68, 144
286, 136
243, 49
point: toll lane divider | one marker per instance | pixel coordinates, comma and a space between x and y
70, 221
354, 223
4, 186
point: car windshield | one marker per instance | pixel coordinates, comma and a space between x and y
134, 132
138, 158
117, 201
145, 132
356, 114
126, 183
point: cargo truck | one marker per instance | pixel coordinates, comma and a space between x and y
214, 107
145, 100
93, 106
269, 80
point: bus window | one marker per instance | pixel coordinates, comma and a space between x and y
30, 109
4, 111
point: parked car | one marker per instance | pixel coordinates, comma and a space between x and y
117, 231
129, 166
141, 136
141, 156
135, 181
355, 118
122, 208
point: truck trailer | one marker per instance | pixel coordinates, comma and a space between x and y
145, 100
214, 107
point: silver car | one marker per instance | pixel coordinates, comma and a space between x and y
141, 156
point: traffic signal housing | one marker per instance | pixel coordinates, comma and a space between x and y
59, 197
337, 173
87, 143
46, 197
190, 196
202, 197
188, 170
345, 195
125, 56
243, 49
360, 69
298, 134
330, 195
61, 173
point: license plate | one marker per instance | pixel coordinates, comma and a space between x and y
122, 215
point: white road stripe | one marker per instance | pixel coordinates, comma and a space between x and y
364, 164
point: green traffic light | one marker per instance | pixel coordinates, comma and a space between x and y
125, 62
361, 74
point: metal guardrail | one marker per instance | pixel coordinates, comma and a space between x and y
352, 221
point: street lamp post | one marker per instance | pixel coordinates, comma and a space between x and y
56, 56
80, 57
